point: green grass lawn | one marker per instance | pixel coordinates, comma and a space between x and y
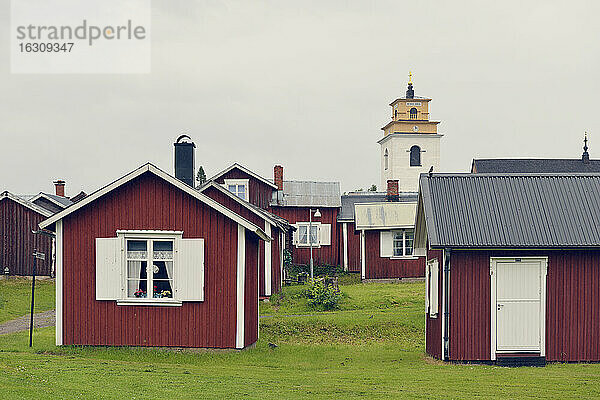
371, 348
15, 297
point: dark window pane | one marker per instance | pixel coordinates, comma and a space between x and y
136, 245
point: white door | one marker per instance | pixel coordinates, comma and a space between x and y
518, 305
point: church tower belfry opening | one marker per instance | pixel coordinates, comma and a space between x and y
411, 143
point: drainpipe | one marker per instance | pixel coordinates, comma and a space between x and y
446, 304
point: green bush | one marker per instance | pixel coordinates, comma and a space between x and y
322, 295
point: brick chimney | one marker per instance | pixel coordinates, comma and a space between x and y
392, 190
278, 177
59, 187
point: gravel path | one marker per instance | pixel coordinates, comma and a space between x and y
40, 320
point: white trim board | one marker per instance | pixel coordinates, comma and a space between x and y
493, 310
247, 171
268, 259
170, 179
59, 284
241, 282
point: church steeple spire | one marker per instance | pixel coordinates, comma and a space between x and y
585, 157
410, 93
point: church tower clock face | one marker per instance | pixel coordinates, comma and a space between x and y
411, 144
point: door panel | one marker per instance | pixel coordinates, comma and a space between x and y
518, 289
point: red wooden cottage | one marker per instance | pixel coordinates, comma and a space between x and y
18, 218
149, 261
378, 232
298, 202
271, 253
513, 270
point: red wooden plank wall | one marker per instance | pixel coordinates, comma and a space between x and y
325, 255
433, 326
17, 243
260, 193
470, 305
251, 291
149, 203
377, 267
573, 306
353, 247
276, 262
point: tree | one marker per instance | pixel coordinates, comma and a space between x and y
200, 177
373, 188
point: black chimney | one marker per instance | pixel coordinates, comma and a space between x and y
184, 159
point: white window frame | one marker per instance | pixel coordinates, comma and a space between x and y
149, 236
238, 182
307, 244
432, 287
404, 255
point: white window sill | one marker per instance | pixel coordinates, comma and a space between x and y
308, 246
404, 258
147, 302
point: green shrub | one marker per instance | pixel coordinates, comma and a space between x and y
322, 295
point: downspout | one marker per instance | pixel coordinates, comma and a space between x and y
446, 304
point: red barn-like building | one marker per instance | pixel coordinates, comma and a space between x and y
513, 270
150, 261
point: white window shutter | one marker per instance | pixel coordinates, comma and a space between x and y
433, 288
386, 243
189, 270
108, 269
427, 285
325, 234
295, 235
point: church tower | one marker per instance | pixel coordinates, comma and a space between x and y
410, 144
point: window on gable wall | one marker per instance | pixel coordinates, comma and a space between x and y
239, 187
153, 267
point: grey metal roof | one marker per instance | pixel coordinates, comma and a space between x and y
534, 165
352, 198
309, 194
63, 200
509, 210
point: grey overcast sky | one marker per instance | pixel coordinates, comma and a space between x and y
307, 84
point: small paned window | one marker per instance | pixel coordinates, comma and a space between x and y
386, 159
150, 274
403, 242
413, 113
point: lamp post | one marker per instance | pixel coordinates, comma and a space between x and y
317, 215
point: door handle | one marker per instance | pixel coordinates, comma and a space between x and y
499, 306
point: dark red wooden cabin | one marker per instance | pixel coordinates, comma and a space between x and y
150, 261
513, 267
18, 218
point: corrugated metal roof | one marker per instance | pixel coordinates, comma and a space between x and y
509, 210
352, 198
385, 215
310, 194
533, 165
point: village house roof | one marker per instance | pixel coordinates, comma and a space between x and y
309, 194
247, 171
150, 168
22, 200
273, 219
508, 211
351, 199
534, 165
